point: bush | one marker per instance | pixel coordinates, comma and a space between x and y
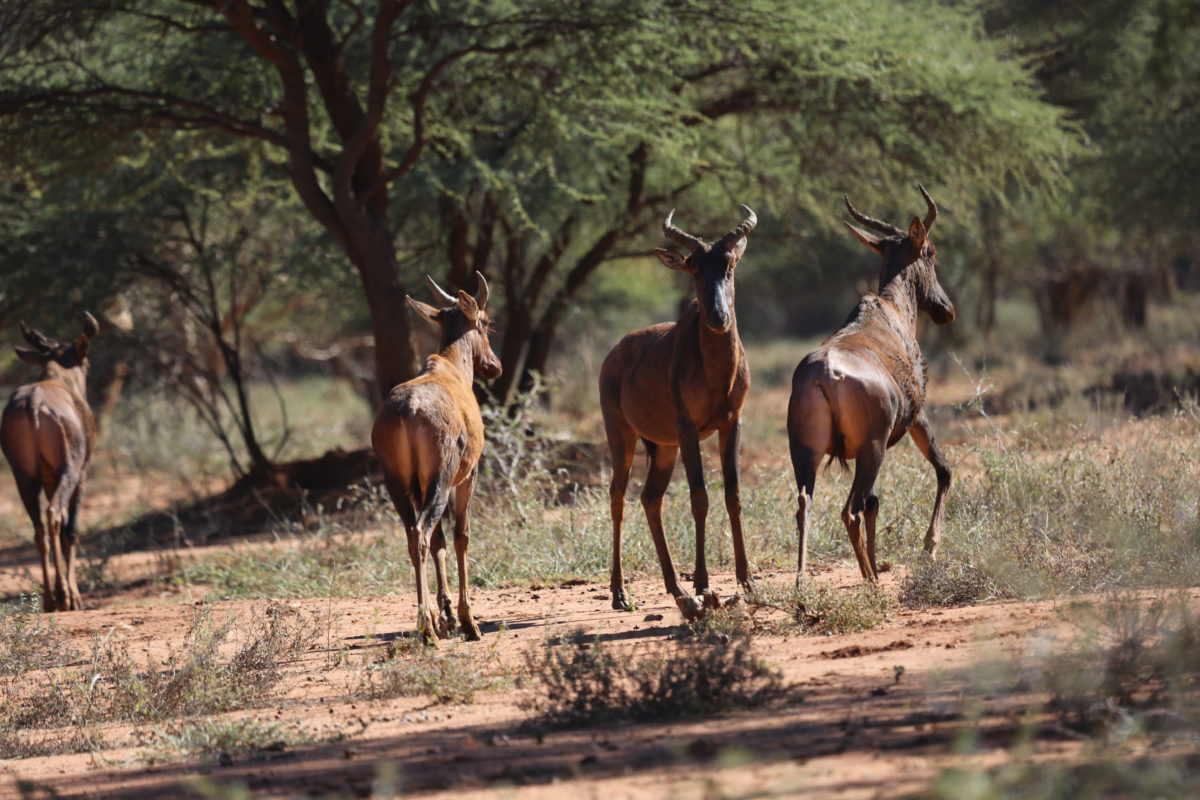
820, 608
446, 677
580, 682
31, 640
947, 582
197, 680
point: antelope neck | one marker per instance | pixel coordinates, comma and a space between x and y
75, 378
900, 291
460, 354
720, 352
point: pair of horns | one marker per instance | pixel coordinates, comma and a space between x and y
43, 343
892, 230
481, 292
694, 243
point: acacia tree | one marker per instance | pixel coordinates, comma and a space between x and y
771, 103
341, 96
530, 140
1127, 72
195, 252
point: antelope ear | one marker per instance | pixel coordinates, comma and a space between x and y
424, 309
917, 233
467, 305
671, 259
83, 343
32, 357
870, 241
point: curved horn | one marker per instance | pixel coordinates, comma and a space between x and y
932, 215
90, 326
680, 237
871, 222
440, 293
743, 228
36, 339
481, 290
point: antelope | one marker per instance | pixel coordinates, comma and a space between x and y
672, 385
47, 434
859, 392
429, 436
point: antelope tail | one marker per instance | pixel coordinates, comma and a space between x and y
837, 448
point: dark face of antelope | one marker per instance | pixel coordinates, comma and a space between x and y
464, 319
909, 256
68, 361
712, 267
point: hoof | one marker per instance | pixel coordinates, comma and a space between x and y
621, 602
470, 630
427, 631
692, 608
711, 599
447, 626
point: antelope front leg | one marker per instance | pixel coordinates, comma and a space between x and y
922, 437
689, 448
462, 539
728, 440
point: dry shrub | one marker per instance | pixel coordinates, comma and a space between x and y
198, 679
948, 582
224, 740
31, 640
580, 682
1134, 665
414, 670
815, 607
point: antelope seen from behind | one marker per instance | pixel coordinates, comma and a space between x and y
672, 385
859, 392
429, 436
47, 434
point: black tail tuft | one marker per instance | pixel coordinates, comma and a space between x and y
651, 451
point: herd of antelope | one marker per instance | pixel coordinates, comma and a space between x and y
671, 385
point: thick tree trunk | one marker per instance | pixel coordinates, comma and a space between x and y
395, 357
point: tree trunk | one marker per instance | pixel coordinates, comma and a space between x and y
395, 357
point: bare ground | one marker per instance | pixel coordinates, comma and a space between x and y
857, 725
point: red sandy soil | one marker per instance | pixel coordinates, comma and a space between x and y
855, 729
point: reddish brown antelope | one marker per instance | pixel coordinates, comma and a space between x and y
47, 434
859, 392
672, 385
429, 436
